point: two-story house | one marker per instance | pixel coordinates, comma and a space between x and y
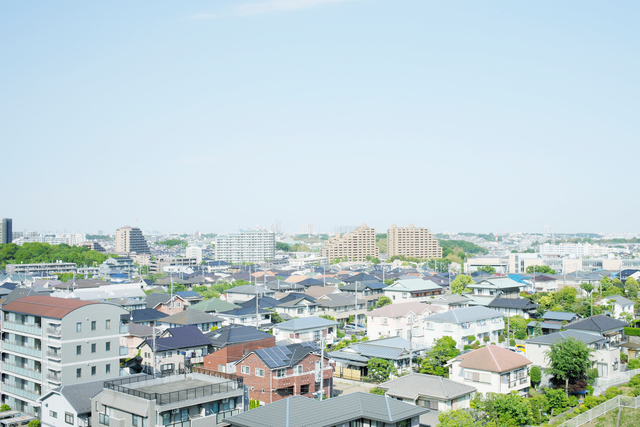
413, 289
464, 325
204, 321
246, 292
174, 349
165, 303
300, 307
514, 306
214, 306
502, 287
305, 329
231, 343
369, 291
492, 369
342, 306
278, 372
620, 305
403, 319
246, 316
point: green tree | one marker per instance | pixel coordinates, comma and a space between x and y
633, 364
5, 408
377, 391
605, 283
545, 269
459, 284
382, 301
173, 242
443, 350
34, 423
558, 400
456, 418
506, 409
617, 283
282, 247
380, 369
487, 269
536, 375
569, 360
631, 287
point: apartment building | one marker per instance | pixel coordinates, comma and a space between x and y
171, 264
130, 239
42, 269
354, 246
6, 231
246, 246
412, 241
47, 342
113, 266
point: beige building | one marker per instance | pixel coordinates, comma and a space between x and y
412, 241
130, 239
354, 246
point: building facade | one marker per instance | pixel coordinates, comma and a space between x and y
412, 241
42, 269
246, 246
6, 231
354, 246
130, 239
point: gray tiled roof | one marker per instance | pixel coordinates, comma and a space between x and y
551, 339
422, 385
559, 315
305, 323
463, 315
299, 411
599, 323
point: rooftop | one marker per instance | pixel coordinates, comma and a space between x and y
463, 315
45, 306
493, 358
422, 385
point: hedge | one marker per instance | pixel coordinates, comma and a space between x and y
634, 332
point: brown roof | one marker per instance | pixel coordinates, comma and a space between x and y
45, 306
296, 278
494, 359
318, 291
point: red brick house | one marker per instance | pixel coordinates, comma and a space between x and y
276, 373
231, 343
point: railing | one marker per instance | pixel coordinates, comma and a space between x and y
226, 414
22, 349
26, 393
54, 331
54, 377
590, 415
20, 370
22, 327
124, 351
617, 378
55, 354
124, 329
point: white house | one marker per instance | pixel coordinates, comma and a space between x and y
246, 292
492, 369
412, 290
621, 305
401, 320
461, 323
305, 329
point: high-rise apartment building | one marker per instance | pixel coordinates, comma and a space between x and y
130, 239
246, 246
416, 242
48, 342
354, 246
6, 231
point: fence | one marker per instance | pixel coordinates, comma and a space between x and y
590, 415
617, 378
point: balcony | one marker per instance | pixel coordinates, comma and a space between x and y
20, 370
124, 351
22, 392
54, 354
22, 327
54, 331
22, 349
56, 378
124, 329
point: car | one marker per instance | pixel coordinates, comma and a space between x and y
356, 327
520, 348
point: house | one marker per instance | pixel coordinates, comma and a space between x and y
275, 373
450, 301
342, 307
514, 306
145, 316
136, 334
368, 291
416, 289
305, 329
197, 399
492, 369
503, 287
552, 321
461, 323
621, 306
214, 306
355, 409
246, 316
165, 303
190, 297
403, 319
429, 391
230, 343
605, 356
542, 283
300, 307
176, 348
611, 329
246, 292
204, 321
351, 362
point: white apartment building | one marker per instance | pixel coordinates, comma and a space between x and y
579, 250
246, 246
194, 252
47, 342
461, 323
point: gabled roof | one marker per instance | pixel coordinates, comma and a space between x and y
518, 303
186, 295
190, 317
302, 323
264, 302
179, 338
244, 311
249, 290
600, 323
282, 356
619, 300
339, 300
497, 283
300, 302
45, 306
152, 300
360, 277
422, 385
143, 315
464, 315
413, 285
235, 334
402, 309
363, 286
493, 359
559, 316
214, 304
550, 339
451, 299
300, 411
295, 296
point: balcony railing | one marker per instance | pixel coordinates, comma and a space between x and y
22, 349
124, 329
54, 377
124, 351
22, 327
19, 391
54, 331
21, 370
54, 354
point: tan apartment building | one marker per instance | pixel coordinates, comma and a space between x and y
130, 239
355, 246
412, 241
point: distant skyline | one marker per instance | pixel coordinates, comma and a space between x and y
218, 116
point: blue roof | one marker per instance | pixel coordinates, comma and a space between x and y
119, 275
143, 315
183, 337
188, 294
518, 278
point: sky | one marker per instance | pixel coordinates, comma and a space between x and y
214, 116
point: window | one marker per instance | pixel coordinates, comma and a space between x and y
134, 419
166, 418
107, 324
280, 373
78, 349
79, 327
79, 373
104, 419
245, 370
68, 418
107, 368
107, 346
298, 369
93, 325
53, 414
93, 348
259, 372
164, 355
169, 354
93, 370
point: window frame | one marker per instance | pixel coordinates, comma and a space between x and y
67, 416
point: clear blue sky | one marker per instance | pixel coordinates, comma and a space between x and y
211, 116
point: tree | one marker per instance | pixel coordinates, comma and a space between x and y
382, 301
380, 369
569, 360
617, 283
506, 409
443, 350
633, 364
5, 408
631, 287
536, 376
456, 418
487, 269
459, 284
545, 269
377, 391
605, 283
558, 400
34, 423
282, 247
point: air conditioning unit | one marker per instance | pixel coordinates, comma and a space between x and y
175, 411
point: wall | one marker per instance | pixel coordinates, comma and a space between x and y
235, 352
60, 405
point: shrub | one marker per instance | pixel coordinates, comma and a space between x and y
377, 390
5, 408
633, 364
635, 380
485, 339
612, 392
34, 423
468, 347
536, 375
634, 332
573, 401
512, 342
624, 357
521, 335
340, 334
501, 338
471, 339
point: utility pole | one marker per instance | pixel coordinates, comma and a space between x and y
355, 318
321, 373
